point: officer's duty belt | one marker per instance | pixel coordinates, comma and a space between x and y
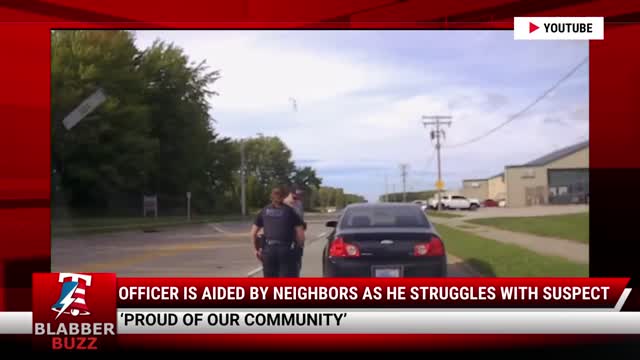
277, 242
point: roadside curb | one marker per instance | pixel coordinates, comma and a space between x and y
469, 269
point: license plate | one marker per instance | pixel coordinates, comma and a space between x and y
386, 272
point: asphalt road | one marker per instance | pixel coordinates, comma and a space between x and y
203, 250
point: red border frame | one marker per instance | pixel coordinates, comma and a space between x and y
25, 96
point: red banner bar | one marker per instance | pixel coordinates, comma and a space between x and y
361, 293
352, 342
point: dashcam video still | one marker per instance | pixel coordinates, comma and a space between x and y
319, 154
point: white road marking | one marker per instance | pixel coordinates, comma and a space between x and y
218, 229
254, 271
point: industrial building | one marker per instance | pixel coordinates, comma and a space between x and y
561, 177
491, 188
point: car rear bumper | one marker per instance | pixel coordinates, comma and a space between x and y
423, 267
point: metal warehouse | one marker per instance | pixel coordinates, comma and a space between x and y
492, 188
561, 177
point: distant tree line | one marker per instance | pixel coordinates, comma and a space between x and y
411, 196
331, 197
269, 163
153, 135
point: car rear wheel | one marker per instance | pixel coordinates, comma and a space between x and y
473, 207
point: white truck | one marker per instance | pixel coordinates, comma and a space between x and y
456, 202
424, 204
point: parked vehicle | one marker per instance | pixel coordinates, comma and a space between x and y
424, 204
489, 203
383, 240
457, 202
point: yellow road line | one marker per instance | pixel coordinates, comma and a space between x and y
107, 266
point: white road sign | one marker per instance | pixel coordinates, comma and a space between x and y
86, 107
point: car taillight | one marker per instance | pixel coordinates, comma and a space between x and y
339, 248
431, 248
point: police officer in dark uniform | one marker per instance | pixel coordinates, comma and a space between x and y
283, 229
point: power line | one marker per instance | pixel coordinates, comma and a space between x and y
519, 113
428, 165
433, 156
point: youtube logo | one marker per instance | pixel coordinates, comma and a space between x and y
558, 28
533, 27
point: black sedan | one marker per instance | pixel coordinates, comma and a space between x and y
384, 240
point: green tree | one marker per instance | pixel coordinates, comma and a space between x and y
411, 196
331, 198
107, 156
223, 162
268, 161
189, 150
340, 200
306, 178
152, 135
323, 197
354, 199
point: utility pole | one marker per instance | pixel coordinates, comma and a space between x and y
437, 121
403, 173
243, 179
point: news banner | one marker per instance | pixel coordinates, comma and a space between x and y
99, 311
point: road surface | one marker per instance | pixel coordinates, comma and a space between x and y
203, 250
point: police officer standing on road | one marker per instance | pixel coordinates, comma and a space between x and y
282, 228
295, 200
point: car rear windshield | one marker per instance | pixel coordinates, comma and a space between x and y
386, 216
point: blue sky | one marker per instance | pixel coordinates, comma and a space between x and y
361, 95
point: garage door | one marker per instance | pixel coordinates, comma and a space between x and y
568, 186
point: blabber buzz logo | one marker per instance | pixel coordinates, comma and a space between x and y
74, 311
72, 299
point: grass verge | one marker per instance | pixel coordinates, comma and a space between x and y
493, 258
570, 226
441, 214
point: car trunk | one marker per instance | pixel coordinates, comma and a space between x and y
387, 245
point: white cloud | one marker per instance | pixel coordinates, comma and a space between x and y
259, 76
359, 117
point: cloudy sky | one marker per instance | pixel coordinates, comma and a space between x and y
361, 94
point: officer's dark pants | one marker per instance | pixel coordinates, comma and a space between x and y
299, 252
279, 261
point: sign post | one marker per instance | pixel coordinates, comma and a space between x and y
439, 187
150, 203
189, 205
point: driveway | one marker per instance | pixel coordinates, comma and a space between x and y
491, 212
